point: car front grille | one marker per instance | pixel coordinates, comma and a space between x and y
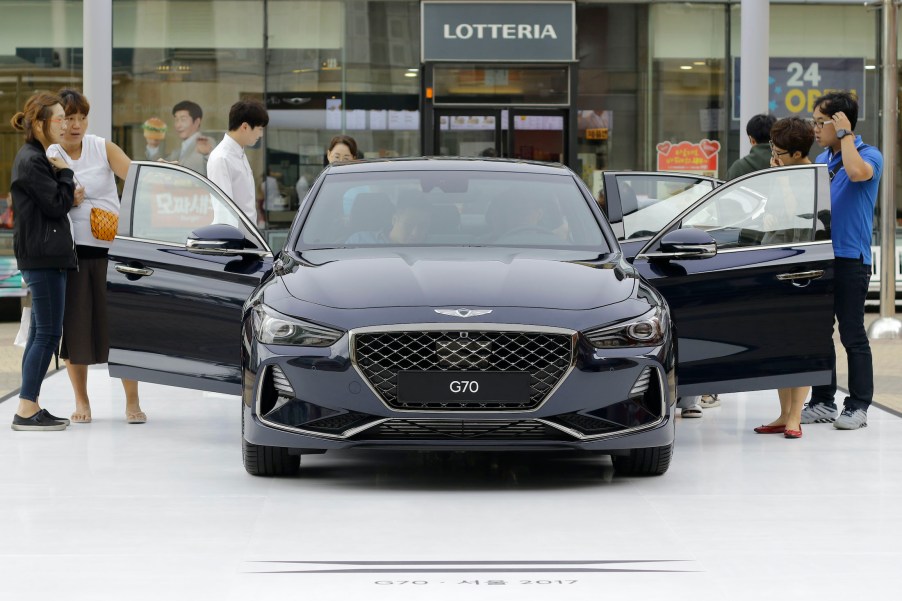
545, 357
440, 429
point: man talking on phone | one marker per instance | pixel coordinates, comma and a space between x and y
195, 147
855, 169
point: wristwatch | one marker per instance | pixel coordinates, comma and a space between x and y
842, 133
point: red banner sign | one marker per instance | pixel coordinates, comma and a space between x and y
689, 157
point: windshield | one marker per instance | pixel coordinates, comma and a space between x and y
450, 208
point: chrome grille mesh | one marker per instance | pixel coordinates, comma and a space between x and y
546, 357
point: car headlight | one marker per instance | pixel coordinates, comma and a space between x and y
275, 328
648, 329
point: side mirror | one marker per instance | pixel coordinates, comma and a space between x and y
222, 240
689, 243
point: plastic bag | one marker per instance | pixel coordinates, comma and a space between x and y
24, 325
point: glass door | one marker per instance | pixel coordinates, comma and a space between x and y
538, 135
533, 135
468, 133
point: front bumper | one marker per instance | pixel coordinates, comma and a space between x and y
319, 399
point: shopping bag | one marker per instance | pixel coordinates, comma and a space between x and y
24, 325
104, 224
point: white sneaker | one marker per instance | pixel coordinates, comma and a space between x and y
709, 400
694, 410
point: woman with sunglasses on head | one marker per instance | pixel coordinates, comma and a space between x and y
43, 191
96, 163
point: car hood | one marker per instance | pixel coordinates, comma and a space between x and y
467, 277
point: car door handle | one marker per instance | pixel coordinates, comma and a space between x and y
801, 275
129, 270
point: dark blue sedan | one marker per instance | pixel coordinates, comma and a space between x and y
455, 304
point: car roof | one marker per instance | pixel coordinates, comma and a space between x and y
450, 164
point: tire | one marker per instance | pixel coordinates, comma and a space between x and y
653, 461
260, 460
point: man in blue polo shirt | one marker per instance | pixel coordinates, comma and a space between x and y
855, 170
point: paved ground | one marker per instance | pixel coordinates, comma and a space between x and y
887, 366
109, 512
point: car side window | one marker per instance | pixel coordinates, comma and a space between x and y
776, 206
649, 202
169, 204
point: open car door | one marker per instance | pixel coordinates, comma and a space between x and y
174, 306
748, 273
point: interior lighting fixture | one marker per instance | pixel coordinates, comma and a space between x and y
686, 67
699, 63
870, 67
408, 74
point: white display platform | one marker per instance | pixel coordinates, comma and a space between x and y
165, 510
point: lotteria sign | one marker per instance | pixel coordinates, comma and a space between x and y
498, 31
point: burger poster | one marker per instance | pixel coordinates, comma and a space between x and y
689, 157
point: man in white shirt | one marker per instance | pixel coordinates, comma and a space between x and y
195, 147
228, 167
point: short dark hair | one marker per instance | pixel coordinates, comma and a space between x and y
793, 134
251, 112
759, 126
74, 102
348, 141
192, 107
836, 102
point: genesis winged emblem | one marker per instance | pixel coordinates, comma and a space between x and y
463, 312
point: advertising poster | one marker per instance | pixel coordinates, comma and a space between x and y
180, 207
794, 83
689, 157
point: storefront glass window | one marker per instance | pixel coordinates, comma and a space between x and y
612, 44
501, 84
40, 49
841, 56
207, 52
689, 88
338, 68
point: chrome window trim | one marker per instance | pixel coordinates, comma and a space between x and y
442, 327
263, 252
750, 248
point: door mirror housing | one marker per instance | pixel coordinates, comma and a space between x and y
681, 244
222, 240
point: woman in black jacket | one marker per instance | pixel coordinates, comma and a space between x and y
42, 191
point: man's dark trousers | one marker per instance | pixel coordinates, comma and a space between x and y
851, 277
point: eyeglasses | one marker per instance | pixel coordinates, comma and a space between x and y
775, 152
819, 124
56, 120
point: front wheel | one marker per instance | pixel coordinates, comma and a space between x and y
652, 461
260, 460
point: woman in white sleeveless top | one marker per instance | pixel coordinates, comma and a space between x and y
95, 162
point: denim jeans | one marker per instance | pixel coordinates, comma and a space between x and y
48, 299
851, 278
